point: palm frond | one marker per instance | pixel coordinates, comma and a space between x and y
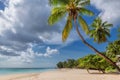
84, 2
107, 33
77, 1
100, 30
56, 14
108, 25
93, 25
99, 21
83, 24
92, 32
104, 23
58, 2
67, 29
85, 11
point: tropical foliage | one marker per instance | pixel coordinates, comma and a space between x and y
95, 62
74, 11
100, 30
87, 62
70, 63
119, 32
113, 49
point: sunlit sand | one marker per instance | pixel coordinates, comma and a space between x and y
63, 74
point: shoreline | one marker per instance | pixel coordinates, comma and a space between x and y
12, 71
62, 74
17, 76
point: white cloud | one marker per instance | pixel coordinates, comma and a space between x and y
23, 22
23, 57
50, 52
110, 9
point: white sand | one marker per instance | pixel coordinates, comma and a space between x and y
64, 74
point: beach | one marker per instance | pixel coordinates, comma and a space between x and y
62, 74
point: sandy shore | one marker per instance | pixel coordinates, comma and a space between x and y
64, 74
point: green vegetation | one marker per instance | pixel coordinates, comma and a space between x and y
119, 32
100, 30
113, 49
95, 62
87, 62
74, 10
70, 63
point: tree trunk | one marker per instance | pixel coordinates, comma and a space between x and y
103, 71
88, 71
94, 49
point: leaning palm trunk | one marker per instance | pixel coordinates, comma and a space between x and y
94, 49
88, 71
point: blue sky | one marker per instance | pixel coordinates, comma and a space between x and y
26, 40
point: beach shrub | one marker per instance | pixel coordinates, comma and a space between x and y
91, 61
110, 69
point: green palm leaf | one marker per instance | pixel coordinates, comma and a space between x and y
84, 11
107, 33
104, 23
83, 24
56, 14
59, 2
99, 21
84, 2
92, 32
67, 29
100, 30
108, 25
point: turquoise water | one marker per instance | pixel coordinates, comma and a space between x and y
7, 71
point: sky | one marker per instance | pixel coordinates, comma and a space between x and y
26, 39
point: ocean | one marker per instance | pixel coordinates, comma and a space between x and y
7, 71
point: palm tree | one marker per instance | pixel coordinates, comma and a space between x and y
73, 9
100, 30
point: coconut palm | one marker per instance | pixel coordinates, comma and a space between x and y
73, 9
100, 30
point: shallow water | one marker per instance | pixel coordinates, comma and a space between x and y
7, 71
